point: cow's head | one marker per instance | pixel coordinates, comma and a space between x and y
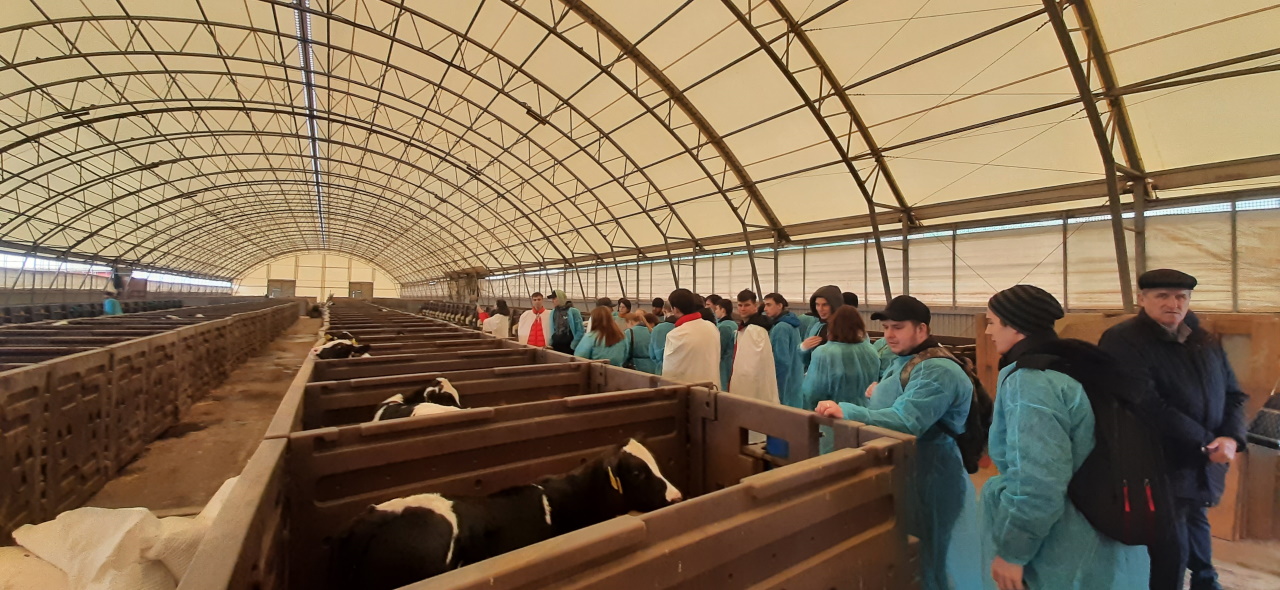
633, 472
442, 393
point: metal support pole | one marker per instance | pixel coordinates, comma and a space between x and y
1054, 12
955, 254
804, 269
1235, 259
1139, 226
1066, 290
906, 259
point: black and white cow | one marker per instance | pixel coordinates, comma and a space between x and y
341, 349
434, 398
408, 539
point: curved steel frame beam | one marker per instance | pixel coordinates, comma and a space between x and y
374, 224
816, 111
1104, 147
447, 157
261, 133
677, 97
543, 87
523, 136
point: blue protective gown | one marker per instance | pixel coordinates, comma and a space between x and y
806, 356
591, 348
640, 337
728, 336
1041, 432
785, 337
840, 372
941, 506
806, 323
111, 306
885, 353
658, 343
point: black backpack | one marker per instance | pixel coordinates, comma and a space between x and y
973, 441
1122, 487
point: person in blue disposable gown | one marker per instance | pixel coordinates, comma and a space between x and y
884, 352
785, 337
723, 311
940, 505
111, 305
638, 331
823, 303
842, 369
604, 340
658, 336
1041, 432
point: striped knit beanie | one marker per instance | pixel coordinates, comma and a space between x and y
1026, 308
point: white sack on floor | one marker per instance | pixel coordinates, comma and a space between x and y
121, 548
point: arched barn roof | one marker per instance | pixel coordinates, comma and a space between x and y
207, 137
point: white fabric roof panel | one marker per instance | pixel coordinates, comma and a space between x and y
433, 136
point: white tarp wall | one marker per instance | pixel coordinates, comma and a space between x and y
964, 267
317, 275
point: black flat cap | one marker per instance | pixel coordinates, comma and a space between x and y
1166, 278
904, 308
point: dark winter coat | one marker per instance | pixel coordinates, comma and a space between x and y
1201, 398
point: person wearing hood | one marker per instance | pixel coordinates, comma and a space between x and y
1042, 430
658, 336
823, 303
604, 340
498, 324
566, 323
940, 506
535, 324
842, 369
785, 336
1201, 415
691, 352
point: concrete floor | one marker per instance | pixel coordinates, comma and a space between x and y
178, 473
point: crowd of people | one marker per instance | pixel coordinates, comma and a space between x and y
1043, 521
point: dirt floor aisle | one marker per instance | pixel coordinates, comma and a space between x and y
180, 471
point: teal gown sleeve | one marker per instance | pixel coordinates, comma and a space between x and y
575, 326
728, 336
585, 347
925, 400
786, 359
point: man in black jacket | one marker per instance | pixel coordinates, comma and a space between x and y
1202, 417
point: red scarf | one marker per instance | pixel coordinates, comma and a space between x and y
688, 318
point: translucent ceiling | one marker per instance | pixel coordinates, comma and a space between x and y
436, 135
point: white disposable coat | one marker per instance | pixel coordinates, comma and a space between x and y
692, 353
753, 370
526, 324
498, 325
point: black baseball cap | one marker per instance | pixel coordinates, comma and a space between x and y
904, 308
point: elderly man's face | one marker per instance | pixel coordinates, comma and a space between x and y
1168, 307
